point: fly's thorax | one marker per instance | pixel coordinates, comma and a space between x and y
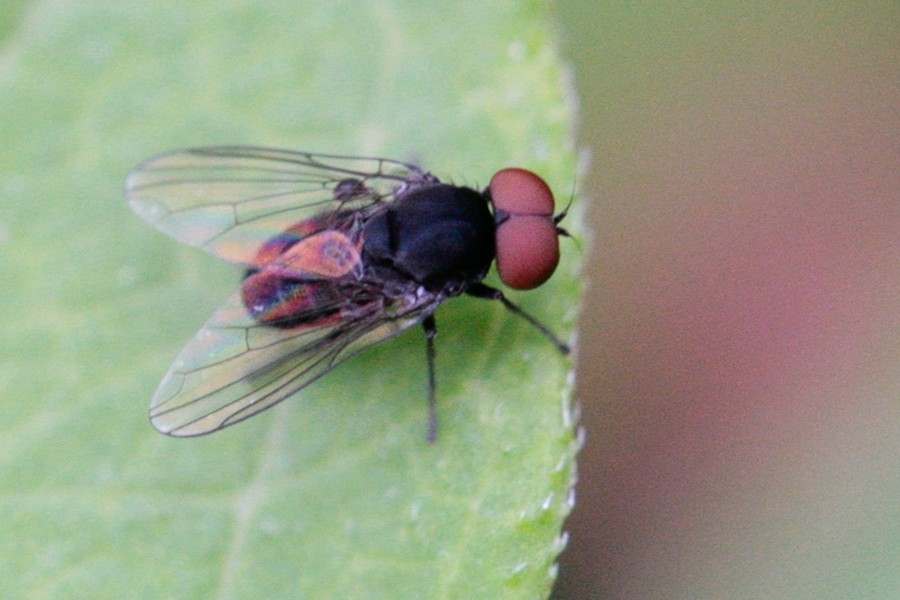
437, 236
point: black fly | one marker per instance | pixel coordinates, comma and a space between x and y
341, 253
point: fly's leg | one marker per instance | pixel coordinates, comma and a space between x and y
430, 333
479, 290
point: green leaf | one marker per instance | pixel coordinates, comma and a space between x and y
334, 493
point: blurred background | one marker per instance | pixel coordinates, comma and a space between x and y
739, 373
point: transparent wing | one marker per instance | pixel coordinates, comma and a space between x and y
234, 367
229, 200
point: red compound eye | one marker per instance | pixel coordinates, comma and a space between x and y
527, 237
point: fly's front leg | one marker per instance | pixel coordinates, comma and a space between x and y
480, 290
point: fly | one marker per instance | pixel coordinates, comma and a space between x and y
340, 253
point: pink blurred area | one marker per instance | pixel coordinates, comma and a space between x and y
740, 365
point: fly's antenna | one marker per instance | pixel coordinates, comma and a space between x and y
557, 218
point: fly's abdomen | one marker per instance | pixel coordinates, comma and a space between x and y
286, 303
297, 280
